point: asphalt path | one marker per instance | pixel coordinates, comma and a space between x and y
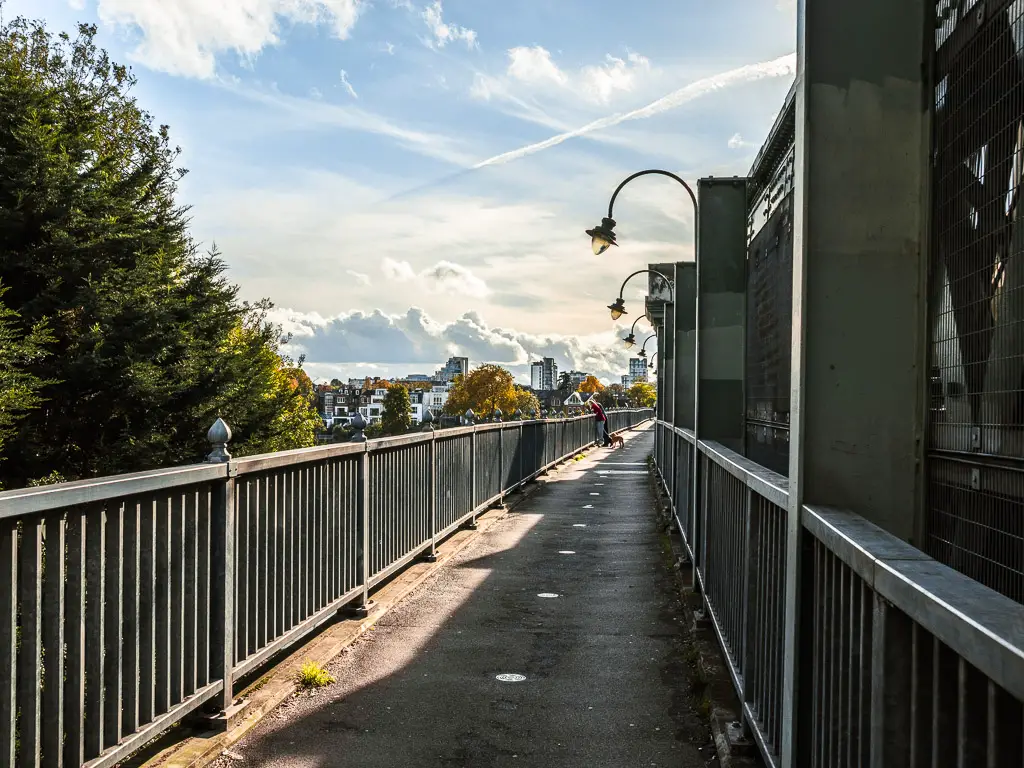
569, 591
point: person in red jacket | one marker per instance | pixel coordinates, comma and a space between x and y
602, 421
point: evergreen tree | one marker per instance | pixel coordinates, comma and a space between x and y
150, 343
19, 389
397, 416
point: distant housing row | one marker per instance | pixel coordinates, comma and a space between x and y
338, 403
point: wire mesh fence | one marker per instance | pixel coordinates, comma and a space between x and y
976, 277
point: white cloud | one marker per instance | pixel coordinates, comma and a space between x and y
399, 271
601, 81
184, 37
315, 93
443, 277
534, 65
533, 68
347, 85
410, 341
783, 66
738, 142
443, 33
359, 277
389, 48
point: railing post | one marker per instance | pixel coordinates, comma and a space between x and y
222, 566
891, 702
472, 480
749, 562
363, 555
522, 450
431, 556
501, 466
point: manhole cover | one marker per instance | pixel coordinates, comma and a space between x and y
511, 678
547, 594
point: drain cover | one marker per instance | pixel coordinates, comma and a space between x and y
511, 678
547, 594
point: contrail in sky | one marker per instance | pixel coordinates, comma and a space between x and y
785, 65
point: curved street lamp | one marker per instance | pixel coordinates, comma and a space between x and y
651, 364
603, 235
643, 348
630, 340
618, 307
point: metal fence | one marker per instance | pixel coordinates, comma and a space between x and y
128, 602
975, 493
902, 661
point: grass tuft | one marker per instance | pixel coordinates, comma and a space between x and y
312, 675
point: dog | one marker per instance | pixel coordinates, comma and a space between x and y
617, 440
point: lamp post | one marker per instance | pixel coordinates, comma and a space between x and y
618, 307
603, 235
630, 340
643, 347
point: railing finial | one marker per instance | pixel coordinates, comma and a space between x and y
358, 423
219, 436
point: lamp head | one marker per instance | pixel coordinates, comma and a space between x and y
602, 236
629, 341
618, 308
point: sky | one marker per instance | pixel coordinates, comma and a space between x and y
411, 179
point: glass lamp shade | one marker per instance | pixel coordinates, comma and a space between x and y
599, 244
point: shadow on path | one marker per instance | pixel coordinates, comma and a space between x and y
605, 681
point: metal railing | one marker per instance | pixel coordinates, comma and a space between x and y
128, 602
902, 661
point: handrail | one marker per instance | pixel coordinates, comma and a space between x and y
984, 628
44, 498
26, 501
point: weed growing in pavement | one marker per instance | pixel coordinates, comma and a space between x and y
312, 675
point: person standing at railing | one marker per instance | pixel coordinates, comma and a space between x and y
602, 422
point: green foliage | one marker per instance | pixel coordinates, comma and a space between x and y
374, 429
149, 341
397, 416
610, 395
19, 388
642, 394
312, 675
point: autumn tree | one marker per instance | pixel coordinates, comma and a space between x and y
483, 389
590, 385
642, 394
397, 416
522, 400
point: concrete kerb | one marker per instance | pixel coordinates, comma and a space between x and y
279, 683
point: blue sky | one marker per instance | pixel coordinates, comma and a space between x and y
409, 179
